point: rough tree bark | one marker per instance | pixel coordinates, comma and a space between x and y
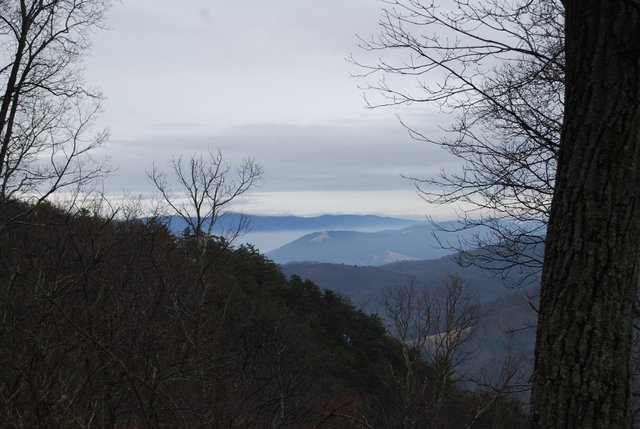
590, 272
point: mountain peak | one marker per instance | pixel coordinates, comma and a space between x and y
363, 248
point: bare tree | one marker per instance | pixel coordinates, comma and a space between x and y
208, 185
436, 329
498, 66
47, 112
439, 323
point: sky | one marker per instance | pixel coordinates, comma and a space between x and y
267, 80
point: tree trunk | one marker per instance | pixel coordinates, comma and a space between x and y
582, 371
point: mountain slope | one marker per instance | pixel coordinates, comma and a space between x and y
368, 283
415, 242
361, 284
270, 232
504, 334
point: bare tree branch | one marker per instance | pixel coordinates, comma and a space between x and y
47, 113
498, 66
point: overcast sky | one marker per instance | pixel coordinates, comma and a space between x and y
262, 79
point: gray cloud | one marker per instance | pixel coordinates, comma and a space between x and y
262, 79
362, 156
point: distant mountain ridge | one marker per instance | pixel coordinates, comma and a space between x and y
416, 242
327, 222
368, 283
270, 232
259, 223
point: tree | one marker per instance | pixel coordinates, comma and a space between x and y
208, 185
436, 330
96, 331
499, 67
582, 372
46, 110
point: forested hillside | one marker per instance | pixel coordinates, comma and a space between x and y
109, 321
367, 284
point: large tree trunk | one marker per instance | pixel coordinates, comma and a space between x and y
582, 371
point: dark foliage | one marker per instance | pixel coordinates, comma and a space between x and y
111, 323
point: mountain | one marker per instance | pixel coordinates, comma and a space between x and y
416, 242
362, 284
327, 222
259, 223
505, 333
366, 284
270, 232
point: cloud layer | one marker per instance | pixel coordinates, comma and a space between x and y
267, 80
